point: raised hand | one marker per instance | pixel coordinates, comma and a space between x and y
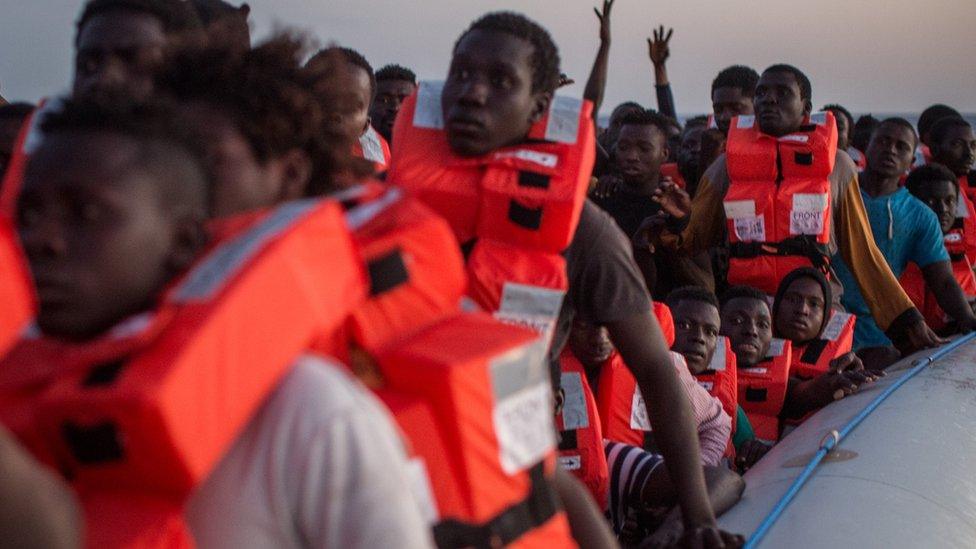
604, 17
658, 48
673, 199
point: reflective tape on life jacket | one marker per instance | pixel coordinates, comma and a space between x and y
475, 401
373, 147
762, 390
663, 315
778, 205
522, 203
813, 359
415, 268
913, 283
16, 289
581, 436
721, 378
146, 411
28, 139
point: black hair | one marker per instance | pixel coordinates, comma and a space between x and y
396, 72
211, 11
901, 123
740, 77
933, 114
806, 91
323, 59
863, 129
691, 293
165, 148
647, 117
919, 179
700, 120
175, 15
941, 128
16, 110
835, 108
747, 292
793, 276
545, 54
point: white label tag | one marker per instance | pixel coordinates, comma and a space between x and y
776, 348
574, 402
532, 300
835, 326
756, 371
808, 223
546, 160
523, 424
638, 412
952, 238
961, 209
819, 118
795, 138
751, 229
372, 148
740, 209
420, 487
428, 112
570, 463
718, 357
707, 385
745, 121
810, 202
564, 119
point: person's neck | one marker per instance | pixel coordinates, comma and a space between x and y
876, 184
645, 187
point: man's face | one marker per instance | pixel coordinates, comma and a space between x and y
957, 150
240, 182
801, 312
616, 120
843, 130
118, 51
696, 327
488, 100
943, 198
345, 95
98, 238
9, 129
779, 107
639, 153
746, 322
891, 150
690, 149
590, 344
390, 94
727, 103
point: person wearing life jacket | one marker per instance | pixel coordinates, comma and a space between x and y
904, 230
938, 188
394, 84
471, 134
345, 85
953, 145
732, 94
158, 460
834, 215
845, 129
12, 119
926, 120
16, 291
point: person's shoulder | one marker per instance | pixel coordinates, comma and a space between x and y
844, 167
717, 171
594, 222
322, 390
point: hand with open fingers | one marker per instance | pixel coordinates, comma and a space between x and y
673, 199
604, 17
749, 453
606, 186
648, 231
658, 48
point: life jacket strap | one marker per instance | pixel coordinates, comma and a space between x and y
535, 510
817, 253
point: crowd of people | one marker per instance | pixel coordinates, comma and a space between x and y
259, 296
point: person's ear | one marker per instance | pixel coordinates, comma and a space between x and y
296, 173
807, 107
541, 107
189, 239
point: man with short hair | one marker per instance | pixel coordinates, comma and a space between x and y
732, 94
953, 145
394, 84
926, 120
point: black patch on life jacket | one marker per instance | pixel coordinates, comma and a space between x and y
104, 374
808, 128
568, 440
528, 218
813, 351
387, 272
93, 445
803, 158
756, 394
532, 179
536, 509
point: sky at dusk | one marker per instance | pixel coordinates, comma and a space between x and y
869, 55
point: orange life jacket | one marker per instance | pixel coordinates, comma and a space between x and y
483, 458
671, 170
581, 437
813, 358
967, 184
520, 203
27, 141
721, 379
778, 205
965, 223
140, 416
762, 390
373, 147
16, 290
663, 314
914, 284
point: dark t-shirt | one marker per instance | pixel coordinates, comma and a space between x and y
628, 209
604, 283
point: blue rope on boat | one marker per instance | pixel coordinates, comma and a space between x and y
834, 438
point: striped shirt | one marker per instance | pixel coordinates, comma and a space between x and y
630, 468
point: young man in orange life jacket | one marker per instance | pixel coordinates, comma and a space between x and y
346, 87
938, 188
114, 203
503, 73
768, 242
394, 84
953, 145
927, 119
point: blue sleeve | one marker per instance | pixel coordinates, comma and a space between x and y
928, 247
